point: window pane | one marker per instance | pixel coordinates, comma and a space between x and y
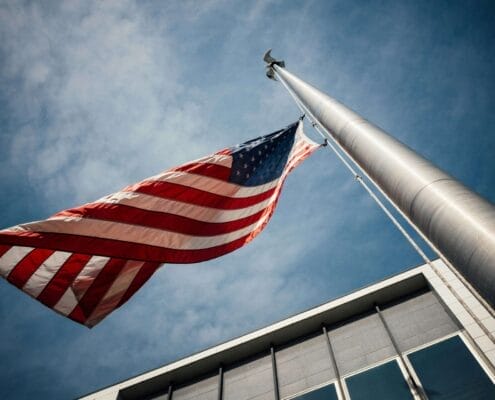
448, 371
323, 393
418, 320
384, 382
303, 365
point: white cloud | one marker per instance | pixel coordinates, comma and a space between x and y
102, 92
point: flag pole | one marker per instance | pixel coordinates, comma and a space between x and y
458, 223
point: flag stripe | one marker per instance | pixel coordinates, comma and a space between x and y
221, 157
116, 291
199, 197
118, 248
12, 257
88, 274
207, 184
165, 221
45, 272
206, 170
4, 249
27, 266
60, 282
200, 213
100, 285
145, 273
77, 315
134, 233
68, 303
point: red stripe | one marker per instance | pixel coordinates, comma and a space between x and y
153, 219
145, 273
27, 266
211, 170
63, 278
100, 285
78, 315
198, 197
120, 249
4, 249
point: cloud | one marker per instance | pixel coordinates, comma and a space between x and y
102, 92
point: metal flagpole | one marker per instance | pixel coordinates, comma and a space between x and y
458, 223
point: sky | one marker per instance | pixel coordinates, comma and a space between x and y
98, 95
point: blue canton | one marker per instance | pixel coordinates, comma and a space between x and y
262, 160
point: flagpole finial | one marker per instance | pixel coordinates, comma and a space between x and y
270, 61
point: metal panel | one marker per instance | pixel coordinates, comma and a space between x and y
250, 380
303, 365
205, 389
360, 343
460, 223
418, 320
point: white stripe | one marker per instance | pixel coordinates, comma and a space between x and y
199, 213
40, 278
78, 288
116, 291
12, 257
225, 160
208, 184
67, 302
88, 274
131, 233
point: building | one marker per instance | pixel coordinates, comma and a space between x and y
417, 335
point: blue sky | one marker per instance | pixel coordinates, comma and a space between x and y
97, 95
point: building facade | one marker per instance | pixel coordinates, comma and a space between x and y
421, 334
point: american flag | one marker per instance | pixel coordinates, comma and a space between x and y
87, 261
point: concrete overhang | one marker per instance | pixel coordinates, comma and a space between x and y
208, 361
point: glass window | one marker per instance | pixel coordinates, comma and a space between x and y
448, 371
323, 393
384, 382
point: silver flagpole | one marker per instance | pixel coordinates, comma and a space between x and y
458, 223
